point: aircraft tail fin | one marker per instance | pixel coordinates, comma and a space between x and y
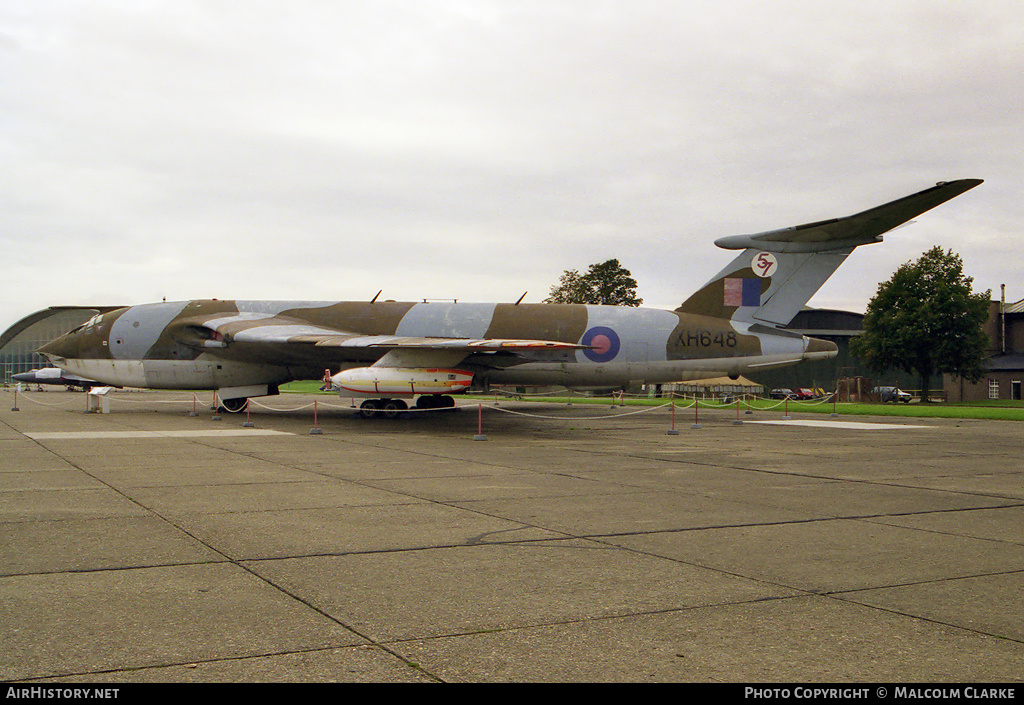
778, 271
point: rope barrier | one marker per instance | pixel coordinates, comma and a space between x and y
644, 410
191, 399
683, 403
25, 397
271, 408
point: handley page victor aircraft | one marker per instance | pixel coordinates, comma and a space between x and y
388, 350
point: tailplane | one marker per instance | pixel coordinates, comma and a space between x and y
779, 271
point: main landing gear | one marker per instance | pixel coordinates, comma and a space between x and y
235, 405
392, 408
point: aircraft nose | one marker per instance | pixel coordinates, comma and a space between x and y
64, 347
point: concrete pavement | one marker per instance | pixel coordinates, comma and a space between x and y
575, 543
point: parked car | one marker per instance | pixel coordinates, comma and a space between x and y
805, 393
781, 394
893, 394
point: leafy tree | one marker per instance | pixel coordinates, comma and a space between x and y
571, 289
926, 320
607, 283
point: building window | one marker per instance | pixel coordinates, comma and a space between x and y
993, 389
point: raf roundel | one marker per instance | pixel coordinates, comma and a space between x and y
603, 342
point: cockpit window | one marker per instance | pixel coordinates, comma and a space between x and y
93, 322
88, 325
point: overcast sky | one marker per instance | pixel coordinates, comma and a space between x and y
475, 149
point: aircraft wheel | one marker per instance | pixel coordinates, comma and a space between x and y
393, 407
435, 401
369, 408
234, 405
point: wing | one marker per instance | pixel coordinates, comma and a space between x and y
468, 345
289, 341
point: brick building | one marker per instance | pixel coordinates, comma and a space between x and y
1004, 369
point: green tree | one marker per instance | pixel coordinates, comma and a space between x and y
926, 320
607, 283
571, 289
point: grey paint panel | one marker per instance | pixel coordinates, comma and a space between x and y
274, 308
447, 320
135, 332
643, 332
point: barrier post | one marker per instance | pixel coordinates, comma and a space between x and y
737, 422
835, 398
316, 430
216, 407
673, 431
785, 413
195, 403
480, 424
696, 422
15, 407
248, 423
